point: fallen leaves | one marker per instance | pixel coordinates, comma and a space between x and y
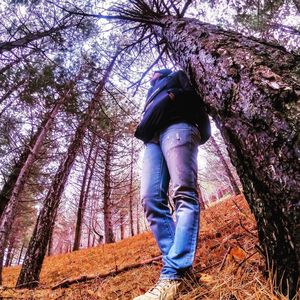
236, 254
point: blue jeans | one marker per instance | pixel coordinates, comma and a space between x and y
173, 156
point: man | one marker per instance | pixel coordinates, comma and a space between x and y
171, 131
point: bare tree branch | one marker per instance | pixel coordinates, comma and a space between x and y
175, 8
21, 42
187, 4
138, 83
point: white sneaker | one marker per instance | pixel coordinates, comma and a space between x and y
165, 289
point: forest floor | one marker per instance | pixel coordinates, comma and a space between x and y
228, 264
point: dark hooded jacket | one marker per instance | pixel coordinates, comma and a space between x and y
160, 111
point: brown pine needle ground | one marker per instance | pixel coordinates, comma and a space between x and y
228, 264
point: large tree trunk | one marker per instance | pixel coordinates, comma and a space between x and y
29, 275
251, 89
107, 205
229, 174
9, 196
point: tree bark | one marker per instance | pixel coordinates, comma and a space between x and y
131, 190
251, 89
107, 210
29, 275
229, 174
122, 225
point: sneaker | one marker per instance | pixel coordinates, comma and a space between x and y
165, 289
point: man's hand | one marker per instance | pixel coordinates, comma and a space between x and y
172, 96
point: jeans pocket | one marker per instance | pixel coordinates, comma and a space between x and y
180, 137
180, 134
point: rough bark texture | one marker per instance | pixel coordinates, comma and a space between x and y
229, 174
252, 89
29, 275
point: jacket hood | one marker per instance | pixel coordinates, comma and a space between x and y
164, 72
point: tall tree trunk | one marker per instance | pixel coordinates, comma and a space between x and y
251, 89
122, 225
9, 197
29, 275
89, 186
131, 190
229, 174
91, 219
107, 209
81, 204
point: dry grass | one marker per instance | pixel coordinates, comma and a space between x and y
228, 265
